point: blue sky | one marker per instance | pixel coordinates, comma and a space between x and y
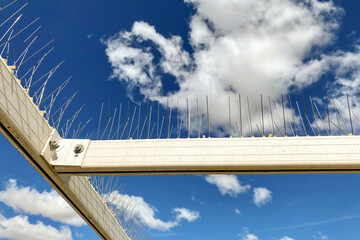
139, 50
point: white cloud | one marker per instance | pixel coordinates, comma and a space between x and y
345, 68
250, 236
188, 215
237, 211
321, 236
131, 65
246, 235
287, 238
47, 204
253, 47
261, 196
79, 235
227, 184
146, 214
19, 228
347, 80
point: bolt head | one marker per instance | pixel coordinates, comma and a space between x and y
79, 148
53, 145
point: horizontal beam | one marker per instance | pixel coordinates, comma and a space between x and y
330, 154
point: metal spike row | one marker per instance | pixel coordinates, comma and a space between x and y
112, 192
262, 121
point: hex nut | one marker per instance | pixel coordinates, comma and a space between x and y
53, 145
79, 148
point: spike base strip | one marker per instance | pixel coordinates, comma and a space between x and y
23, 125
240, 155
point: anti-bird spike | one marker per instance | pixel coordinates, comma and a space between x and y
2, 24
3, 8
229, 118
111, 191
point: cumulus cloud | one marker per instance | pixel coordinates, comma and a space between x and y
321, 236
246, 235
347, 81
146, 213
186, 214
267, 47
227, 184
261, 196
79, 235
237, 211
47, 204
250, 236
287, 238
19, 228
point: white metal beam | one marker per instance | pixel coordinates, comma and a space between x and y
24, 126
215, 155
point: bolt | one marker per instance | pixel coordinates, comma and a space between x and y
53, 145
78, 148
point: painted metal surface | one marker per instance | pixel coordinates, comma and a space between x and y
328, 154
24, 126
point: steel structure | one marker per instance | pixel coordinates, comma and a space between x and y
65, 162
24, 126
325, 154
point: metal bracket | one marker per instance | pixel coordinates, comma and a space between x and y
64, 152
